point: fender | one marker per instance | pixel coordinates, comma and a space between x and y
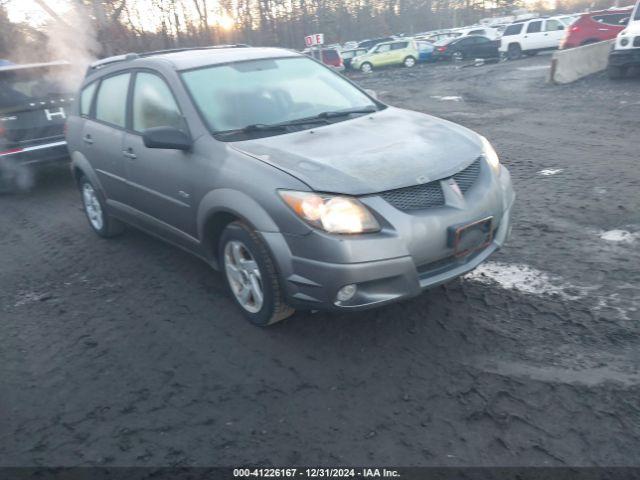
80, 162
237, 203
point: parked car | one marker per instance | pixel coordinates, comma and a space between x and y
401, 52
467, 47
34, 99
425, 51
532, 36
348, 55
369, 44
626, 50
490, 33
595, 27
231, 155
442, 36
329, 56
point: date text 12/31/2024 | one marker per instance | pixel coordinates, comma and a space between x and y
315, 473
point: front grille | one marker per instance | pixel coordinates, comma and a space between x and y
467, 177
430, 195
636, 42
427, 195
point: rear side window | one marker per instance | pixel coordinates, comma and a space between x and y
111, 104
534, 27
514, 29
330, 55
154, 104
553, 25
612, 18
477, 32
399, 45
86, 97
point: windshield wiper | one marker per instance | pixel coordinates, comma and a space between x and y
344, 113
320, 118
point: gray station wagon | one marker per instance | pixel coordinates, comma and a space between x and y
304, 189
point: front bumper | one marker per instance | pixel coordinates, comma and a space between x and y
394, 265
624, 58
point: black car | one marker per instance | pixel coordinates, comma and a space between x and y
348, 55
467, 47
34, 101
368, 44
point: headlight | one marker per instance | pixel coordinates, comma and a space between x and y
332, 213
491, 155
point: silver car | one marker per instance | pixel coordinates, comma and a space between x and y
304, 189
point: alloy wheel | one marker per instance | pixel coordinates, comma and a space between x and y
92, 206
244, 276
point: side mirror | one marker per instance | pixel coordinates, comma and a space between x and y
560, 27
166, 137
372, 93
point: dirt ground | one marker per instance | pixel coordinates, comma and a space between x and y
130, 352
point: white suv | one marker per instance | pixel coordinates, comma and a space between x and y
532, 36
626, 51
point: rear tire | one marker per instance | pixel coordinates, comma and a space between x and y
251, 275
94, 208
615, 72
514, 52
409, 62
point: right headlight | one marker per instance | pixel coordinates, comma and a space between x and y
490, 154
331, 213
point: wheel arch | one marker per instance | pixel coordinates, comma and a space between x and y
222, 206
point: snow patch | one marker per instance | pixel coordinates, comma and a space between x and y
525, 279
534, 67
550, 171
451, 98
623, 236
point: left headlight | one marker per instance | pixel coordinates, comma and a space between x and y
490, 154
331, 213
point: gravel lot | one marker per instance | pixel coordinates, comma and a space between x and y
130, 352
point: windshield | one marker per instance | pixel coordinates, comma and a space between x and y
269, 91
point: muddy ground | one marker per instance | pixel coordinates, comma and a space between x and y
130, 352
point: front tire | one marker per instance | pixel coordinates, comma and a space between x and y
251, 275
102, 223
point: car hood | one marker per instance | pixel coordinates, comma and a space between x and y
389, 149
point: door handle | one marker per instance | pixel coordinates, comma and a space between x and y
87, 139
129, 154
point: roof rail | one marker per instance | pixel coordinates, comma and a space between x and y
132, 56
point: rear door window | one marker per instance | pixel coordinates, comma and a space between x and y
111, 104
534, 27
514, 29
153, 104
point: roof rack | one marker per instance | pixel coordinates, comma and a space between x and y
132, 56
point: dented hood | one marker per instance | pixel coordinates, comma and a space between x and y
389, 149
